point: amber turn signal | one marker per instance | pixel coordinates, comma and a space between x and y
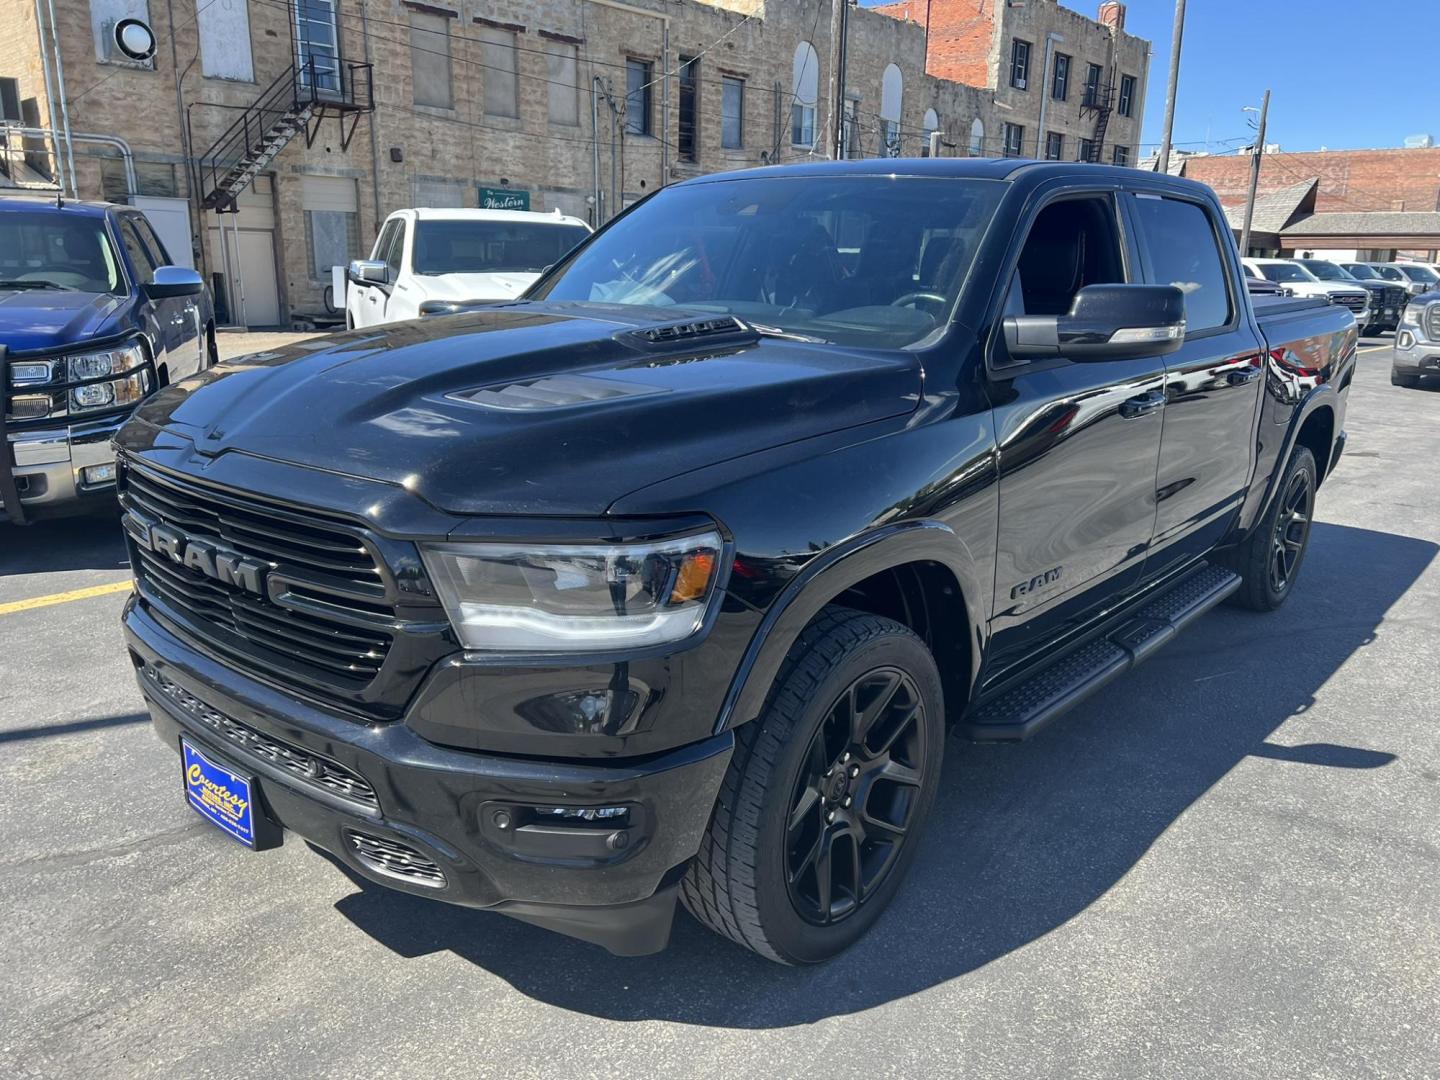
696, 570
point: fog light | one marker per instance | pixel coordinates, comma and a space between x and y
1406, 340
93, 475
29, 406
581, 813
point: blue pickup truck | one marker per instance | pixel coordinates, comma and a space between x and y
93, 319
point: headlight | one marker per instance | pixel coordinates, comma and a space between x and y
96, 365
1412, 315
576, 598
115, 394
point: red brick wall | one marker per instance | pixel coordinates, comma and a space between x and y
1350, 180
962, 33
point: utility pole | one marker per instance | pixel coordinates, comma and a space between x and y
839, 25
1163, 165
1259, 151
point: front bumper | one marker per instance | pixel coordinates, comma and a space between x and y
48, 464
1413, 355
485, 822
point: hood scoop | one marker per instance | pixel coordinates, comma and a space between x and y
553, 392
720, 326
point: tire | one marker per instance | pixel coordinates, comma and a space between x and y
758, 876
1269, 560
1407, 381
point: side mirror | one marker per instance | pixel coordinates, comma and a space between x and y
1106, 322
171, 281
369, 272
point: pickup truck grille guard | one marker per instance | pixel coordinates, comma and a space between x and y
9, 493
321, 622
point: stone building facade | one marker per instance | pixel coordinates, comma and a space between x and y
580, 106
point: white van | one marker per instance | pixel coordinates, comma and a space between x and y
427, 260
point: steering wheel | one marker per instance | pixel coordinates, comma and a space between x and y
908, 300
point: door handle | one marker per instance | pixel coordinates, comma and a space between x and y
1142, 405
1243, 376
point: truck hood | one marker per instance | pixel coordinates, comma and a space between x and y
35, 319
529, 408
497, 286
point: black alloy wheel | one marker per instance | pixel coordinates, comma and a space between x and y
849, 813
1292, 530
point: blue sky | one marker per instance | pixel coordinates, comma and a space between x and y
1325, 62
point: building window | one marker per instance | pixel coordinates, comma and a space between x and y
562, 66
804, 92
688, 135
1086, 151
224, 31
732, 112
332, 232
931, 126
500, 72
892, 93
1014, 139
1093, 74
430, 60
104, 14
1019, 64
851, 121
1120, 155
317, 43
1054, 146
10, 100
1127, 95
977, 138
1060, 81
639, 95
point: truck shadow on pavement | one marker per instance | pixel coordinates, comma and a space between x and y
92, 542
1023, 837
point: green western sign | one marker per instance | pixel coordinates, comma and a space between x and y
493, 198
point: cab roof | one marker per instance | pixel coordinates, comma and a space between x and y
47, 202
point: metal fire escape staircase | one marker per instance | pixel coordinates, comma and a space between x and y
1101, 104
297, 102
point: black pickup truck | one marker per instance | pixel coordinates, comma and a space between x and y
669, 580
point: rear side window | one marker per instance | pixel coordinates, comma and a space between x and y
1178, 239
397, 249
382, 245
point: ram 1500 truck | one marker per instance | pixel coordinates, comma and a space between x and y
669, 581
92, 318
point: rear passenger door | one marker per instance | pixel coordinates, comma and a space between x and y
1212, 384
1078, 443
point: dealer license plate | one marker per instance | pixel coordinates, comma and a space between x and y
223, 797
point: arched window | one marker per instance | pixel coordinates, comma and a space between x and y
892, 89
931, 125
977, 138
804, 93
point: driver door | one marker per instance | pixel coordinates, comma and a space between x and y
1079, 443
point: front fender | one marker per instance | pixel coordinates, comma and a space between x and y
827, 576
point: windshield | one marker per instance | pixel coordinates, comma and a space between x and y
859, 260
456, 246
1326, 271
1285, 272
1362, 272
1419, 273
1389, 273
49, 249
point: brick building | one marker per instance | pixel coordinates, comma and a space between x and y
1065, 87
268, 138
1351, 204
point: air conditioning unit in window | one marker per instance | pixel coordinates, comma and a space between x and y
1020, 83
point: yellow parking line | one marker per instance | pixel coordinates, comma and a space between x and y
1376, 348
64, 597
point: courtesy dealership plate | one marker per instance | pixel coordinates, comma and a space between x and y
225, 798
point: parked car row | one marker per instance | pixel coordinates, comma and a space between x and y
1375, 292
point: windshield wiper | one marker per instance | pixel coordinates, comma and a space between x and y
784, 335
34, 283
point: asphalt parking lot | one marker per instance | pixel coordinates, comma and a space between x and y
1227, 864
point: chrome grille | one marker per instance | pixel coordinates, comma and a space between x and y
1432, 321
394, 859
334, 628
310, 768
1356, 302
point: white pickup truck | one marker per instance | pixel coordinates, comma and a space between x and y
427, 261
